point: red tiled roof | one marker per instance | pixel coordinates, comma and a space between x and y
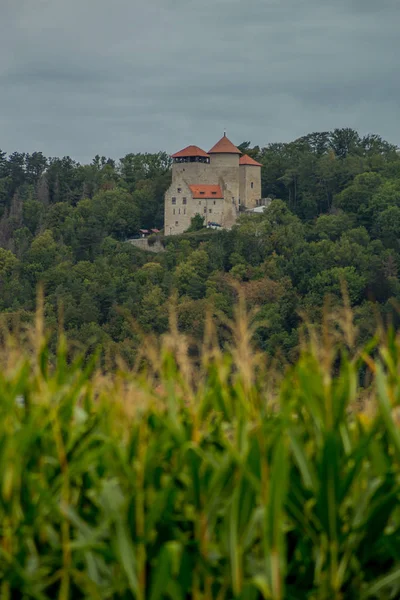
190, 151
247, 160
206, 191
224, 146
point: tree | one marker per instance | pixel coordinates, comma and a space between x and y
32, 214
356, 197
344, 142
154, 310
332, 226
16, 171
138, 167
329, 282
196, 223
35, 165
8, 262
45, 252
388, 226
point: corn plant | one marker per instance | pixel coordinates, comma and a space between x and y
201, 479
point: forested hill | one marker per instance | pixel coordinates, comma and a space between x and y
335, 216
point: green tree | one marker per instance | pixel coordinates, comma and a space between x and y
196, 223
388, 226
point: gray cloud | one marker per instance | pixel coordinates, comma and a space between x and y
93, 76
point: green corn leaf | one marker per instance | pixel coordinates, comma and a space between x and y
260, 582
327, 503
235, 548
306, 467
385, 408
275, 515
387, 581
166, 567
126, 555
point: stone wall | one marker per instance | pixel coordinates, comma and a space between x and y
193, 173
143, 244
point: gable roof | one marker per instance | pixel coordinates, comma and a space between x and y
190, 151
224, 146
247, 160
206, 191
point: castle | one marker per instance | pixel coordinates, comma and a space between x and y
216, 185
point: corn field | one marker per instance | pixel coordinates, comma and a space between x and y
213, 477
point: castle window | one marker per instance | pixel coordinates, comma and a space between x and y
179, 190
214, 193
176, 222
210, 210
174, 200
202, 193
184, 200
184, 211
205, 210
214, 203
252, 185
174, 211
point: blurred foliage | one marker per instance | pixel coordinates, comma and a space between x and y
205, 477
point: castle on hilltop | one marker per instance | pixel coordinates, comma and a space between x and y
216, 185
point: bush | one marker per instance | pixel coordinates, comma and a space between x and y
196, 223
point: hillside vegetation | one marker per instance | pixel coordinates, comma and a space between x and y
335, 216
208, 479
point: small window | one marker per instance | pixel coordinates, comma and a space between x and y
202, 193
184, 211
179, 190
252, 185
210, 210
184, 200
205, 210
214, 193
239, 201
215, 203
176, 222
174, 211
179, 210
173, 200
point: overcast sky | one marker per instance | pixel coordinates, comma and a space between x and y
86, 77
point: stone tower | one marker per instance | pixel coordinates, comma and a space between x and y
224, 162
249, 182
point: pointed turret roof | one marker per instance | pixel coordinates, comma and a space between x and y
247, 160
224, 146
190, 151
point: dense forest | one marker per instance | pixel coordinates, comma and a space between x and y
334, 218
